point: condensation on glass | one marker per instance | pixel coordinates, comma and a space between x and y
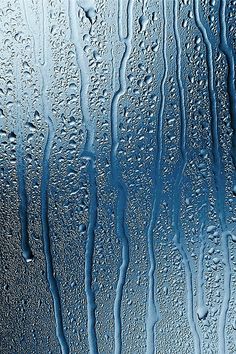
118, 184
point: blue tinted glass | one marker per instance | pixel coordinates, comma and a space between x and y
117, 176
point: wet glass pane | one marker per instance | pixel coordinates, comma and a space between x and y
117, 176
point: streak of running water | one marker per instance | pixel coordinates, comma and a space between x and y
217, 166
202, 310
231, 80
153, 314
21, 173
230, 59
52, 282
118, 183
219, 178
53, 286
89, 155
179, 239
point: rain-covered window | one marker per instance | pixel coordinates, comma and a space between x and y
118, 176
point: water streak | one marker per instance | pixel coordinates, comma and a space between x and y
118, 183
88, 154
217, 166
23, 207
202, 310
230, 59
153, 314
179, 234
46, 240
52, 282
219, 178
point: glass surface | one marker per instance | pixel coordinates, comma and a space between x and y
117, 176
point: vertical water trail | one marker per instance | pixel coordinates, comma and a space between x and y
89, 155
120, 21
222, 347
83, 66
112, 69
219, 179
52, 283
25, 246
46, 239
179, 234
23, 207
217, 166
21, 174
91, 306
201, 307
229, 55
118, 183
152, 312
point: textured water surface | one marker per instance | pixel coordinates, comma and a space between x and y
118, 176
